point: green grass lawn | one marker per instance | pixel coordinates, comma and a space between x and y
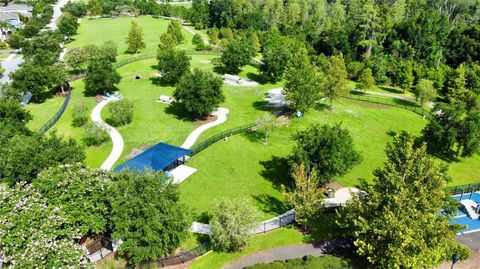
277, 238
324, 262
97, 31
43, 112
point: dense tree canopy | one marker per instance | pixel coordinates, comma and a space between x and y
134, 39
396, 223
100, 77
147, 215
237, 54
200, 92
327, 149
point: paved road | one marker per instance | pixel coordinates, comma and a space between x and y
291, 252
12, 63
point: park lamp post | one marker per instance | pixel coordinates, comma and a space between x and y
454, 259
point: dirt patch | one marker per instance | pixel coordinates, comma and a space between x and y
205, 120
137, 151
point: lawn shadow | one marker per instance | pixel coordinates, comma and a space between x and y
257, 77
255, 136
390, 89
270, 205
324, 226
220, 69
158, 81
392, 133
178, 110
403, 102
263, 106
277, 171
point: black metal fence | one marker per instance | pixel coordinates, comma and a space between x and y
400, 103
180, 258
463, 189
213, 139
152, 56
57, 115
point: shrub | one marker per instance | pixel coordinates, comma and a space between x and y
231, 223
95, 134
121, 113
80, 116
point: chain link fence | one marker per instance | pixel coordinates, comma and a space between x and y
400, 103
213, 139
463, 189
57, 115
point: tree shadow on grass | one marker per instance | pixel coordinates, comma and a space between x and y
270, 205
390, 89
263, 106
258, 78
403, 102
158, 81
178, 110
324, 226
255, 136
277, 171
220, 70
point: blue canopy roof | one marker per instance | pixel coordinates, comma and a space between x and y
156, 158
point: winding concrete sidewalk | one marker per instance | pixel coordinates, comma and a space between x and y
116, 137
221, 114
291, 252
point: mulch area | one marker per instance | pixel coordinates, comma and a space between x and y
205, 120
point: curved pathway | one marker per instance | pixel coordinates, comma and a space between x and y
221, 114
291, 252
117, 140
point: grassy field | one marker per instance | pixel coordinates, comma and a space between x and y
277, 238
97, 31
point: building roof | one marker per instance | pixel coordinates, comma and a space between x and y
9, 16
16, 7
155, 158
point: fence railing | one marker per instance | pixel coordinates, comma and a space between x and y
400, 103
275, 223
213, 139
454, 190
57, 115
180, 258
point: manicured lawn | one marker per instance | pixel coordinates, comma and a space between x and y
43, 112
277, 238
324, 262
97, 31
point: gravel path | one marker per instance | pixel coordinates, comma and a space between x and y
291, 252
116, 137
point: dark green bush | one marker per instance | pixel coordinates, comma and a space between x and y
95, 134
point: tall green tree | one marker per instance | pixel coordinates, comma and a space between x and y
304, 82
232, 223
277, 53
307, 195
175, 29
147, 215
134, 39
365, 80
336, 76
100, 77
425, 91
265, 124
405, 75
327, 149
397, 224
68, 25
200, 92
94, 8
237, 54
172, 64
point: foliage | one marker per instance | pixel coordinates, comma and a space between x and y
68, 25
121, 112
34, 233
397, 224
172, 64
100, 77
80, 192
306, 197
327, 149
266, 124
425, 91
95, 134
365, 80
13, 118
237, 54
277, 53
15, 41
175, 30
197, 40
336, 76
19, 162
308, 262
79, 114
147, 215
94, 8
134, 39
232, 222
75, 58
200, 92
304, 82
76, 8
453, 130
